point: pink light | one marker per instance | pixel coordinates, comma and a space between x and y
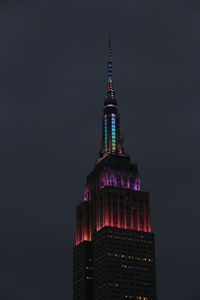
106, 217
125, 225
111, 207
138, 225
118, 213
110, 105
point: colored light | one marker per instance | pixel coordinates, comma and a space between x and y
113, 132
105, 133
110, 215
110, 105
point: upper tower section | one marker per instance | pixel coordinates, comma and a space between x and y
113, 167
110, 94
111, 140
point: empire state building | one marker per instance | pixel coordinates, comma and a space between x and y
114, 256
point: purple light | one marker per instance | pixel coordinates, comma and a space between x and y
126, 181
111, 105
115, 178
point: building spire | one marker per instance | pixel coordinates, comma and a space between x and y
111, 140
110, 84
110, 92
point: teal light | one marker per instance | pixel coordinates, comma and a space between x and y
113, 124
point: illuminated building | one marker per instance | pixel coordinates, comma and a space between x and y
114, 253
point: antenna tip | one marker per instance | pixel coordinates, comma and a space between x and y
109, 41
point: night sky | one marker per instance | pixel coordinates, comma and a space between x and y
53, 58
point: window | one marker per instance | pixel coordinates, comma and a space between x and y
131, 183
118, 180
125, 181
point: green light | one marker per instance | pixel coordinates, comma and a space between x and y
113, 132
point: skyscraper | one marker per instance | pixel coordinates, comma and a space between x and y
114, 253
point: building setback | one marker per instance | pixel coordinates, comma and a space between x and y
114, 256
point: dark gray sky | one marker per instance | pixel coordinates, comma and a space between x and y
52, 83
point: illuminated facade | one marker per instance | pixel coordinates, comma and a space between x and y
114, 253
